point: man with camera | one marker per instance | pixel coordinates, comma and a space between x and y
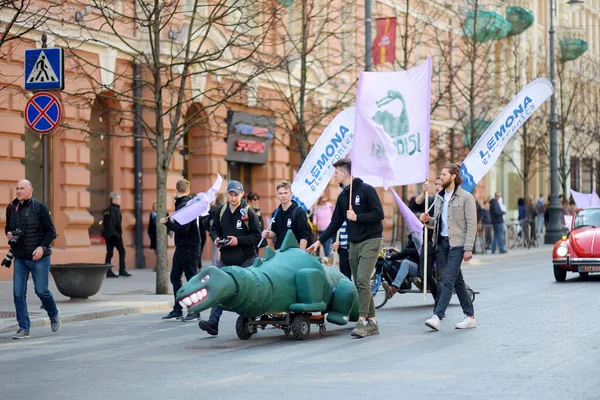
30, 231
187, 249
236, 232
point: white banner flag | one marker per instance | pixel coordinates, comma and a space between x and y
316, 171
199, 205
396, 104
489, 146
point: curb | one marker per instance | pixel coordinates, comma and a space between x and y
510, 255
86, 316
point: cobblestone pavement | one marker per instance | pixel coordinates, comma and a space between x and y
536, 339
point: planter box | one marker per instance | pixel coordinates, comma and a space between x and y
79, 280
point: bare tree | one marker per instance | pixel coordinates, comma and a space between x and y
178, 52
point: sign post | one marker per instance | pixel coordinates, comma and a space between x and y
44, 70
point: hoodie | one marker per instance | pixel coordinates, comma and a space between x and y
294, 219
186, 235
368, 209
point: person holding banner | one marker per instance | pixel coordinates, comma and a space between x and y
187, 250
289, 216
365, 236
454, 229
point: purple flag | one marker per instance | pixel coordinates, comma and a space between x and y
415, 227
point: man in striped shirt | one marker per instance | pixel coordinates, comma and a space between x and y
341, 246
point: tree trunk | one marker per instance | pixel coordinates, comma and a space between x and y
162, 254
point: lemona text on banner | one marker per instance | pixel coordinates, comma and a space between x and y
199, 205
384, 45
391, 130
316, 171
489, 146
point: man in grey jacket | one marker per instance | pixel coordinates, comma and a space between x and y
455, 226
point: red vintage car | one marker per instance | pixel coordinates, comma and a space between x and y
580, 250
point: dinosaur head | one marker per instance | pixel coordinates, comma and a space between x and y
207, 288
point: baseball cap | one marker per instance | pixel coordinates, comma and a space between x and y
235, 186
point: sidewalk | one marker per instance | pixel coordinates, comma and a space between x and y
542, 249
116, 297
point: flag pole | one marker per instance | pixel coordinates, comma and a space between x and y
425, 246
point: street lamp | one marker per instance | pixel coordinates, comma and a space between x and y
554, 229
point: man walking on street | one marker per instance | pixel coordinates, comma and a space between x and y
497, 216
454, 229
112, 232
187, 249
288, 216
365, 230
236, 232
30, 231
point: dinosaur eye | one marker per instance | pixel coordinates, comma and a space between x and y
205, 278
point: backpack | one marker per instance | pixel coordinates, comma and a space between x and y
539, 206
245, 208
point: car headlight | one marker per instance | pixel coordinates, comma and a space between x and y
562, 251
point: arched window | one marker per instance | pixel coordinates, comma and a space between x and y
99, 144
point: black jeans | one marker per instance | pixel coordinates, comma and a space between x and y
111, 243
185, 261
432, 281
345, 263
451, 259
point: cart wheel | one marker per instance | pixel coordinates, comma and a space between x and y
300, 327
242, 328
472, 294
322, 330
287, 330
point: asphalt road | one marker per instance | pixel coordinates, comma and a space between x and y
536, 339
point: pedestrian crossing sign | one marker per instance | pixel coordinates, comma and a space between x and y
44, 69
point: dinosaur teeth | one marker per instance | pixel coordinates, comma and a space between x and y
187, 301
194, 297
181, 304
204, 293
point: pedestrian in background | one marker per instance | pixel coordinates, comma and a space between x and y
30, 231
152, 227
219, 201
365, 229
288, 216
540, 208
187, 250
341, 246
237, 223
497, 216
112, 232
321, 219
455, 227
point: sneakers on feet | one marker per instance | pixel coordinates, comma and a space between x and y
433, 323
209, 327
388, 289
191, 316
372, 328
360, 330
467, 323
21, 334
173, 314
55, 323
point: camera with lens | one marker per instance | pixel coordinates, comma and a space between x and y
223, 242
7, 260
17, 235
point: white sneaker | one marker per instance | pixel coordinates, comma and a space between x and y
467, 323
433, 323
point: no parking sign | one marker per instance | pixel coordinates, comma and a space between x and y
43, 112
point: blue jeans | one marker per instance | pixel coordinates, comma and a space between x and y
39, 271
326, 245
216, 311
498, 237
407, 268
452, 280
540, 222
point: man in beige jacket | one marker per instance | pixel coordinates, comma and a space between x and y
455, 226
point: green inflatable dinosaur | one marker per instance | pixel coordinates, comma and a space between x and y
288, 279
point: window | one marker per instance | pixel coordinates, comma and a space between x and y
575, 174
34, 162
587, 176
100, 155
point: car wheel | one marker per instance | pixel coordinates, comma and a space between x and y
584, 275
560, 274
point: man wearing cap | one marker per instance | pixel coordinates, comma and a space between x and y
237, 223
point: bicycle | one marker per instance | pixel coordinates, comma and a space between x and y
519, 234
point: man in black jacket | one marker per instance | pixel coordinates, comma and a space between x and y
288, 216
112, 232
187, 249
30, 231
236, 231
365, 231
497, 216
